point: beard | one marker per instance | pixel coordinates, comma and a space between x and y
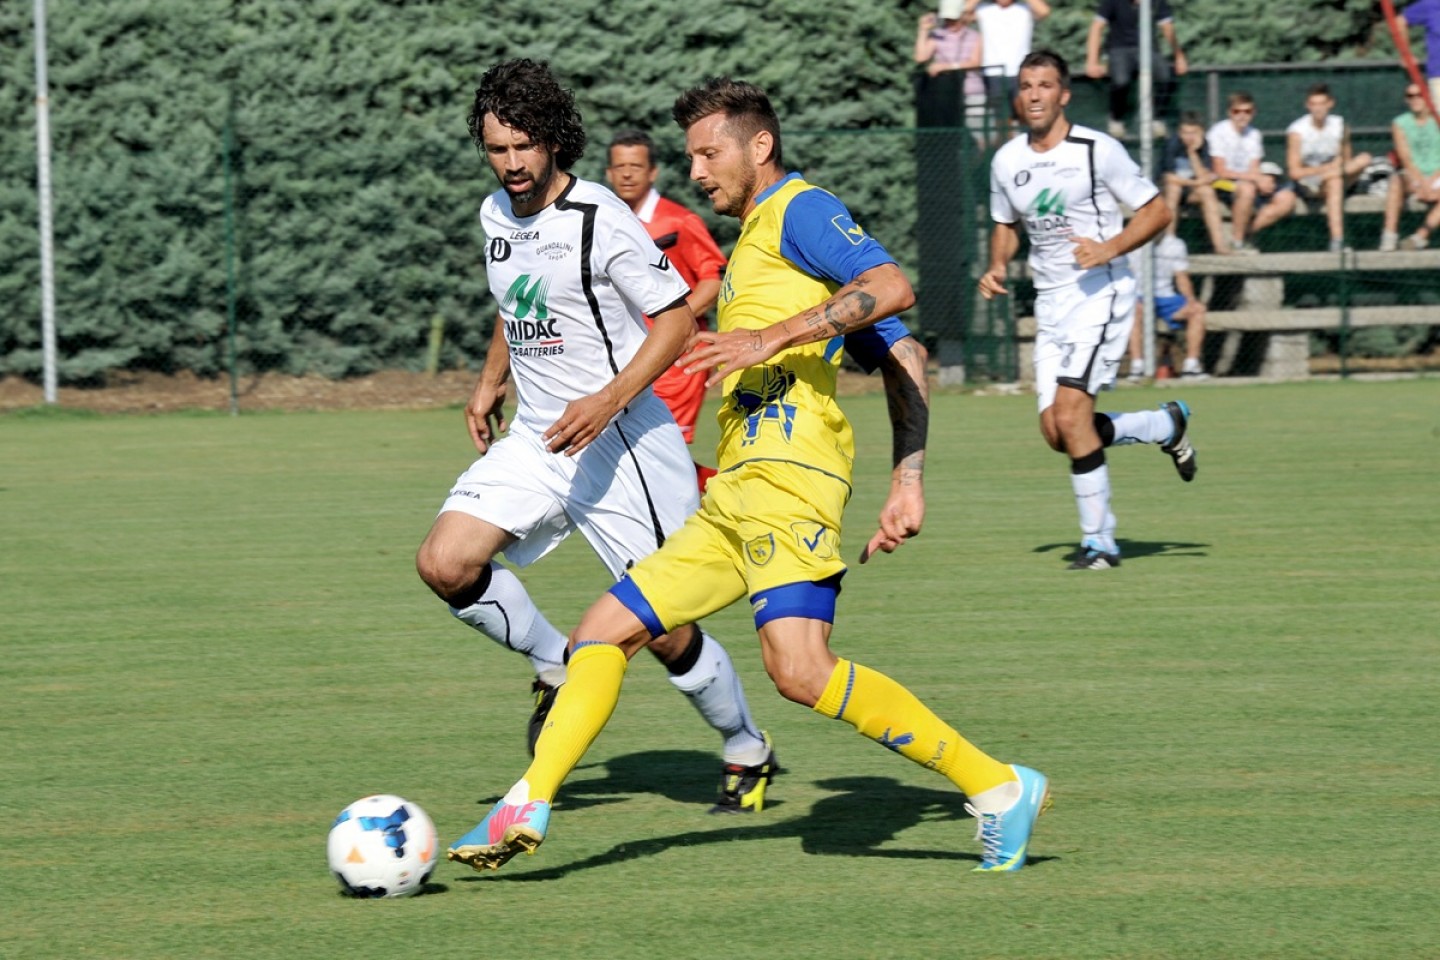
538, 184
734, 206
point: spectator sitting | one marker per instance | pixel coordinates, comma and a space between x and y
1176, 306
1250, 187
948, 42
1187, 176
1417, 160
1318, 159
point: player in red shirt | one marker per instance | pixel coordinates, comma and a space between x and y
684, 238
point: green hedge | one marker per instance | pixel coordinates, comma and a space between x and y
355, 186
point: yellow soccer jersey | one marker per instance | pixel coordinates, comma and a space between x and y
795, 243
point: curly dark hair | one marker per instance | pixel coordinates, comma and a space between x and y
525, 95
746, 107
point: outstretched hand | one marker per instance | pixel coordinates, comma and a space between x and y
717, 355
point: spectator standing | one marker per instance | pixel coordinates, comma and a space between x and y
1188, 176
949, 42
1007, 29
1318, 159
1426, 13
1237, 149
1417, 150
1122, 49
686, 242
1176, 306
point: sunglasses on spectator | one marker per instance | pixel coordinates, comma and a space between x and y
1413, 95
1234, 111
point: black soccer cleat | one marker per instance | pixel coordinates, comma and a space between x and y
742, 789
1179, 447
1093, 558
544, 700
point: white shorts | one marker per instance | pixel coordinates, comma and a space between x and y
1081, 331
627, 491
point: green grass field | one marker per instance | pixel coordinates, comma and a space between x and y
213, 640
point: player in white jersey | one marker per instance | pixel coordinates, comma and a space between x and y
591, 448
1066, 182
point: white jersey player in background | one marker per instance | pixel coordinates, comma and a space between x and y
591, 447
1066, 182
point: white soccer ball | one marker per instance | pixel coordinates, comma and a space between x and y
382, 846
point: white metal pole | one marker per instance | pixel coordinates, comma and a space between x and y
1147, 167
47, 235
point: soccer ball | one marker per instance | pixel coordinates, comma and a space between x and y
382, 846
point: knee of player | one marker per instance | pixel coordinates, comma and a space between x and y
1068, 421
678, 644
799, 682
447, 577
1052, 436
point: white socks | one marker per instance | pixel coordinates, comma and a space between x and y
714, 688
1092, 497
507, 615
1145, 426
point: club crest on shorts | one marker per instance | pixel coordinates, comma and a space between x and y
760, 550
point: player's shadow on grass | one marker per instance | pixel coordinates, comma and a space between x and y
1134, 549
857, 820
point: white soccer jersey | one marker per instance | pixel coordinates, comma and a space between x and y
573, 284
1318, 145
1073, 189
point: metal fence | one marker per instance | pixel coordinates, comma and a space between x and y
220, 257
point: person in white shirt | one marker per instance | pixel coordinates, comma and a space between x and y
1176, 306
1007, 28
1318, 159
1066, 183
590, 448
1237, 149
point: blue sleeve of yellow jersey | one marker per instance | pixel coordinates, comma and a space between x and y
820, 238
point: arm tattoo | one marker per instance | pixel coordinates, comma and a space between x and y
841, 315
907, 398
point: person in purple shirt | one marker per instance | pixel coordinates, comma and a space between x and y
1426, 13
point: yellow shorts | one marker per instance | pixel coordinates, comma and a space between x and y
761, 525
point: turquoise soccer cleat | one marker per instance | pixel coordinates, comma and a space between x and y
508, 829
1005, 836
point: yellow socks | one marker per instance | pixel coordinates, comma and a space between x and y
582, 707
892, 716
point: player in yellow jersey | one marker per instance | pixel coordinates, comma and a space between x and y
802, 276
